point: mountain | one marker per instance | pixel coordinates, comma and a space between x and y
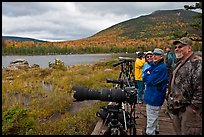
157, 28
159, 23
21, 39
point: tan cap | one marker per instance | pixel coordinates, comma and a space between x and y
158, 51
184, 40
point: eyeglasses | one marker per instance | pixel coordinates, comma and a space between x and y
148, 57
180, 46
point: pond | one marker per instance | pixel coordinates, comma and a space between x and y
67, 59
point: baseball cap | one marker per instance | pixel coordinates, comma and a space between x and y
184, 40
158, 51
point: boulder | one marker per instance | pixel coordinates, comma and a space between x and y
20, 64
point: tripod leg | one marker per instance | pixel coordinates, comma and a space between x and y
122, 132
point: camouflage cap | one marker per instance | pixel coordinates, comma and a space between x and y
184, 40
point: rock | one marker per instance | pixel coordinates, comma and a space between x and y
20, 64
34, 66
19, 61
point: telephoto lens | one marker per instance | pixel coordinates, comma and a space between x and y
84, 93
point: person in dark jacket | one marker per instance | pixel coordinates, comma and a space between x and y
156, 80
170, 60
184, 99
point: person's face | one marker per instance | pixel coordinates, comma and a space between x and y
149, 58
182, 50
167, 49
157, 57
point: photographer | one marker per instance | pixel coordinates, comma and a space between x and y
139, 63
156, 79
185, 97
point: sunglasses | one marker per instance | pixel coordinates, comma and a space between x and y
180, 46
148, 57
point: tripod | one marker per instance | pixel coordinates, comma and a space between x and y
126, 82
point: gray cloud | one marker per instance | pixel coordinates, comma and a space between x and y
72, 20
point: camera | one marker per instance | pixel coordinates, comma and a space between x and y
113, 95
114, 115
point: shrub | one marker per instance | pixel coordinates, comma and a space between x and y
18, 121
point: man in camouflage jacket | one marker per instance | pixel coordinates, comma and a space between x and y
185, 90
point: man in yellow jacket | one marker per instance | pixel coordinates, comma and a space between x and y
139, 63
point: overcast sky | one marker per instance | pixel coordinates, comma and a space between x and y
57, 21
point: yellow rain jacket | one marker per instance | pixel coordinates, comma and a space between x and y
139, 63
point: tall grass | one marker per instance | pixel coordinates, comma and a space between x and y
31, 99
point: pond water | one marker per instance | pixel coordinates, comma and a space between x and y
68, 60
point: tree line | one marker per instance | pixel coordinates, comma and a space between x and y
53, 50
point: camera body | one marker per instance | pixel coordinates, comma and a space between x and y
113, 111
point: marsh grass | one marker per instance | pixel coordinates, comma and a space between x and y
24, 93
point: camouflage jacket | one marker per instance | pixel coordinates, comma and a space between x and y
187, 86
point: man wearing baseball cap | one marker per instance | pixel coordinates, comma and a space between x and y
184, 99
156, 79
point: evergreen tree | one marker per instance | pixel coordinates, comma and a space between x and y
197, 25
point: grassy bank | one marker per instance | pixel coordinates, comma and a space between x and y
37, 101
